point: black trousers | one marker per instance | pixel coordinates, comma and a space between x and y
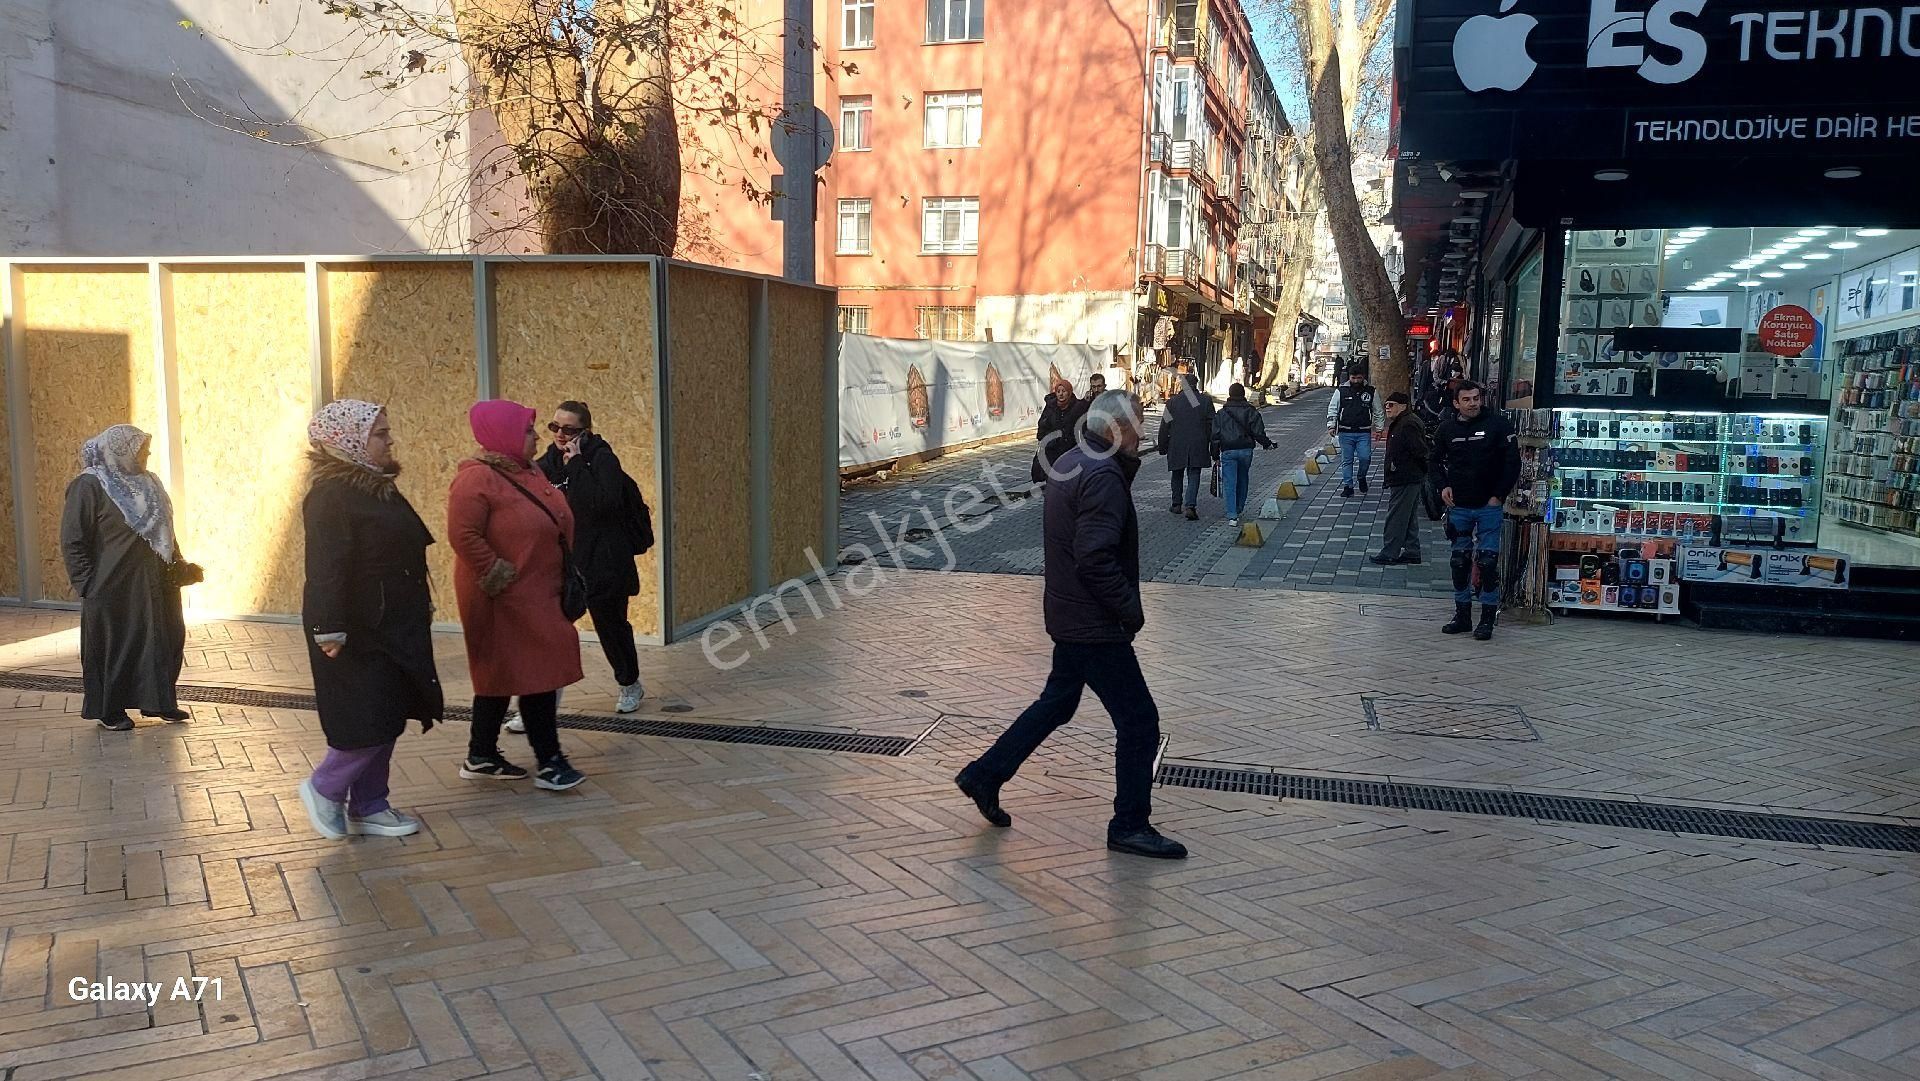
539, 711
616, 640
1113, 671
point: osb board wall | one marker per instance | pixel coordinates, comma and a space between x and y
798, 339
402, 336
707, 345
9, 550
90, 365
585, 332
244, 367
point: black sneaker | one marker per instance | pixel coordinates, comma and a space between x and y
1383, 559
495, 768
117, 721
558, 776
986, 797
1177, 508
1149, 843
1347, 492
171, 716
1363, 487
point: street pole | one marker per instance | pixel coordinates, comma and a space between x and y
800, 152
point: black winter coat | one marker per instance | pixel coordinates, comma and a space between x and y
596, 491
367, 578
1407, 451
1056, 433
1479, 458
1238, 426
1093, 548
1186, 431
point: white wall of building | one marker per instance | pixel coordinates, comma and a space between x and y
1093, 318
101, 152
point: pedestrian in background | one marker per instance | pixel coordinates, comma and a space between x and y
1055, 433
1405, 475
510, 531
1354, 415
116, 537
368, 613
1236, 430
608, 516
1186, 438
1476, 460
1092, 609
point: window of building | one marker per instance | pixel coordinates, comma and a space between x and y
953, 118
856, 24
853, 320
856, 227
946, 324
1167, 223
955, 20
950, 226
856, 123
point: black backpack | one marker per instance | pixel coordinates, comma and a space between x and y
636, 519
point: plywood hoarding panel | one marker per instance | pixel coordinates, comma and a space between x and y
585, 332
798, 340
707, 386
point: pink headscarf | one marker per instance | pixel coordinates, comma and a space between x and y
501, 427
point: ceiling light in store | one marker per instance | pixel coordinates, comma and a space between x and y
1869, 232
1611, 175
1748, 283
1691, 234
1878, 281
1745, 264
1793, 266
1466, 219
1816, 231
1771, 274
1816, 255
1843, 172
1794, 242
1475, 193
1843, 245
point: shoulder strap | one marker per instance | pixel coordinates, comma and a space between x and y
535, 500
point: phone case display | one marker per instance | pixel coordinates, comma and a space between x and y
1873, 478
1626, 579
1696, 478
1613, 282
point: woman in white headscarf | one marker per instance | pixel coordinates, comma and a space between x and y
116, 535
368, 612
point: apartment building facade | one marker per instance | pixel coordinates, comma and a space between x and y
1105, 171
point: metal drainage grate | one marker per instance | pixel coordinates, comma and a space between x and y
1449, 720
799, 738
1667, 818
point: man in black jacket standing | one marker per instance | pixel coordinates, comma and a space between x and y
1406, 474
1476, 461
584, 466
1092, 608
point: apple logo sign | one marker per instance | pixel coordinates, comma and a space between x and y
1490, 52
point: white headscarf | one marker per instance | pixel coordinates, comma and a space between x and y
109, 457
341, 429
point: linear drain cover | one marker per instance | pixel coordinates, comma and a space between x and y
1667, 818
1448, 720
852, 742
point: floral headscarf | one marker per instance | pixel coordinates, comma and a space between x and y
342, 428
109, 457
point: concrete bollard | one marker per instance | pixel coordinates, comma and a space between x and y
1250, 536
1270, 510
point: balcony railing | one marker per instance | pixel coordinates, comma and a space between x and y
1159, 148
1154, 261
1180, 265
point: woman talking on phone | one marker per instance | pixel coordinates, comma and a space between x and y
519, 594
368, 611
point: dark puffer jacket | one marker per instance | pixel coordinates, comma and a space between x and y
1093, 547
596, 493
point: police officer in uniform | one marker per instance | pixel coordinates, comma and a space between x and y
1354, 414
1476, 461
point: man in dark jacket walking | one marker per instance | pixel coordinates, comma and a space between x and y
1406, 475
584, 466
1236, 429
1476, 460
1353, 415
1186, 438
1092, 612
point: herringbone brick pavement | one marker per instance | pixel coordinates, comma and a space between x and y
701, 910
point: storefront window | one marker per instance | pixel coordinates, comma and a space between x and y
1757, 386
1522, 349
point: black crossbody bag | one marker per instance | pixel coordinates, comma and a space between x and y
573, 584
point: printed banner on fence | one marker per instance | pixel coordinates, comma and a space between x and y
900, 397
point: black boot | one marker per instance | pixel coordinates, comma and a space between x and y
985, 796
1488, 612
1462, 619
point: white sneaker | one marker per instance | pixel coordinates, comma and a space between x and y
329, 818
515, 723
1234, 522
630, 696
387, 823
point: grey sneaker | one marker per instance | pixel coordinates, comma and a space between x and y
387, 823
630, 696
329, 818
516, 723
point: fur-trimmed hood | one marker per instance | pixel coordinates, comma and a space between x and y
326, 467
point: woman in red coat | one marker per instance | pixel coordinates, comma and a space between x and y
506, 525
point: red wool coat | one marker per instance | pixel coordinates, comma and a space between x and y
518, 641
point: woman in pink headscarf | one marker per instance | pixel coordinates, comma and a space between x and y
508, 528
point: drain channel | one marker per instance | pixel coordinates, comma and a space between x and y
802, 739
1665, 817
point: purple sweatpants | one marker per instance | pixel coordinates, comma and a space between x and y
356, 778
